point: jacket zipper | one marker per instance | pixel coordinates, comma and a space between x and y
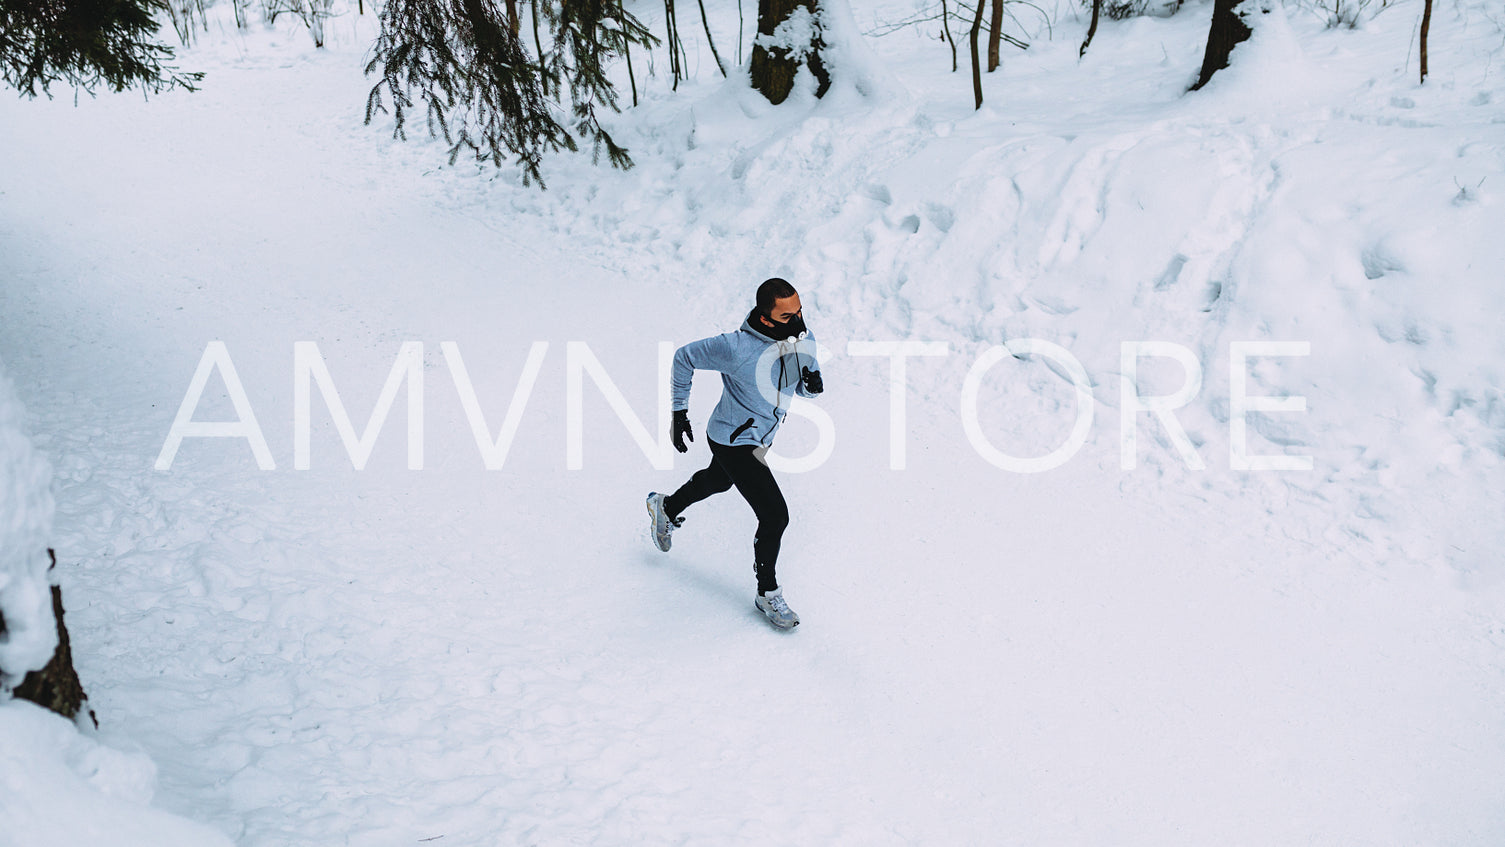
778, 394
741, 429
778, 401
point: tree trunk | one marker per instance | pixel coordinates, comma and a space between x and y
976, 65
543, 73
709, 40
995, 35
1097, 9
56, 685
632, 80
1226, 32
669, 38
946, 28
773, 70
1426, 24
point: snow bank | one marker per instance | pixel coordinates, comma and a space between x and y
26, 508
61, 789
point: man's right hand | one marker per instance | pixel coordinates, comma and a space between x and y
682, 430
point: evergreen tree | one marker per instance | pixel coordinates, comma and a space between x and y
85, 43
482, 92
584, 32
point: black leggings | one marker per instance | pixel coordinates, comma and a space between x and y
738, 466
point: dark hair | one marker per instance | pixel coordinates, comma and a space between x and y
773, 289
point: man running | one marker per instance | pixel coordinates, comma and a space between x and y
763, 365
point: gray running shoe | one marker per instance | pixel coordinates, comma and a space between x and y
662, 527
779, 614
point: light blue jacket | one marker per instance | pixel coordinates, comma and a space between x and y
759, 376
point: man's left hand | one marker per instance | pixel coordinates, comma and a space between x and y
812, 381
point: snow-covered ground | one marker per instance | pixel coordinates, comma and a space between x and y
1088, 655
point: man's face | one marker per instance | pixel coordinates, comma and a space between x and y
783, 309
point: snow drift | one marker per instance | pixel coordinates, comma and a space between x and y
26, 507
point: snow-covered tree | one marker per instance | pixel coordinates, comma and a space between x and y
789, 37
1230, 27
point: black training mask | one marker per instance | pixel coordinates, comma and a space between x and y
782, 331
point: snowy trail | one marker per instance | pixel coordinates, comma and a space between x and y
348, 627
382, 657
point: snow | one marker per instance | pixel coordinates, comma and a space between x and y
57, 786
28, 635
1087, 655
795, 34
65, 790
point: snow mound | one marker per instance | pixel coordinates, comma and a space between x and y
25, 525
855, 68
61, 789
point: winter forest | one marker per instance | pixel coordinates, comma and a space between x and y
1061, 422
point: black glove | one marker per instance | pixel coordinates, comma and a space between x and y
682, 428
812, 381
